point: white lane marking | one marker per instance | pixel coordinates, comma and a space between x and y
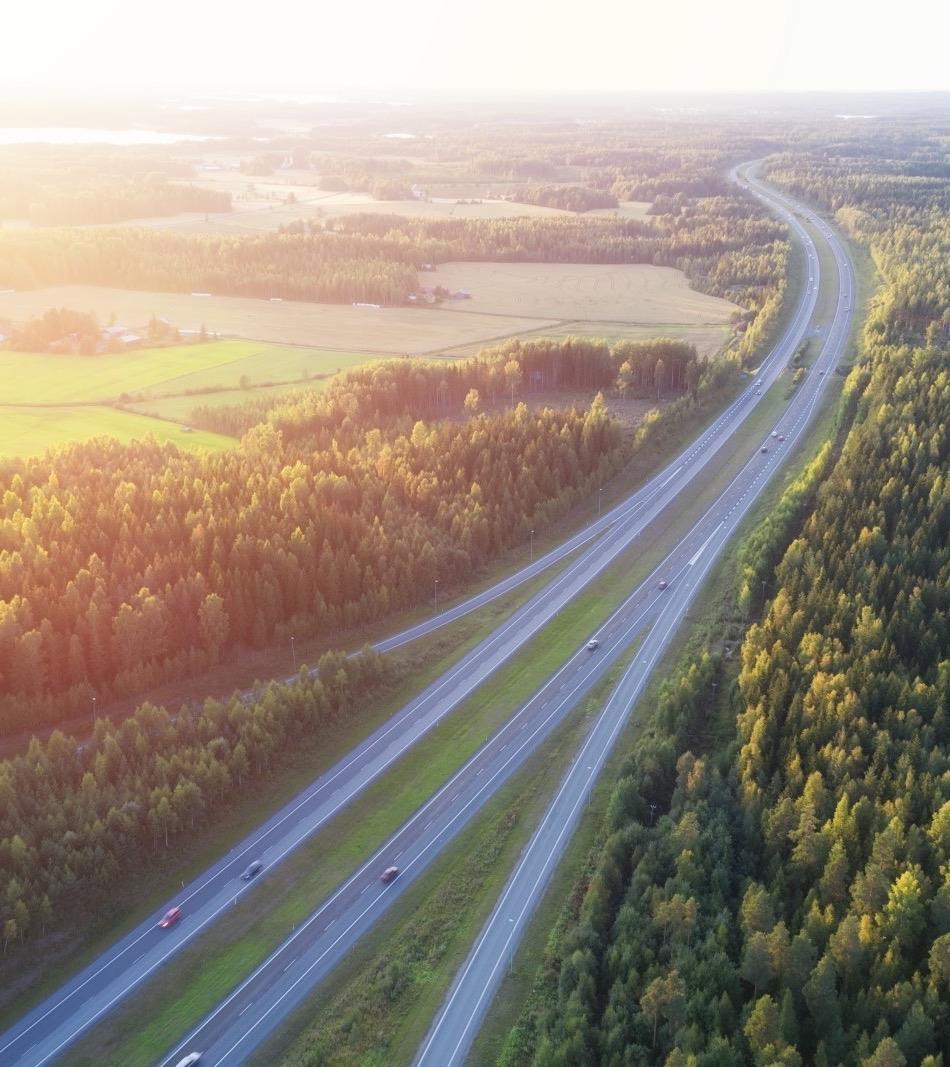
725, 416
702, 548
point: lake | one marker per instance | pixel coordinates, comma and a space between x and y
88, 135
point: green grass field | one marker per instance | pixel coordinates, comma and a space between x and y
265, 364
44, 378
28, 431
51, 399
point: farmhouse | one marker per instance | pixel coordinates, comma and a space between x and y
120, 335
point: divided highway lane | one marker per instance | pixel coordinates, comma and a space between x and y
46, 1031
456, 1025
244, 1019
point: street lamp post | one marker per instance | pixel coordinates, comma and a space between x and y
531, 560
436, 596
95, 718
293, 652
600, 499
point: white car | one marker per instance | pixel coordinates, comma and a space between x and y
191, 1058
593, 645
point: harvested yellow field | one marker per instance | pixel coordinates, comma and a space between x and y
337, 326
592, 292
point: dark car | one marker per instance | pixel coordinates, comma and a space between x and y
389, 874
764, 449
172, 916
663, 585
253, 868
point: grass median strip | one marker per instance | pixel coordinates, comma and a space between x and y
377, 1005
712, 620
188, 987
103, 920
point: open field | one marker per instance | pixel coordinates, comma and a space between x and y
627, 292
46, 378
390, 331
26, 431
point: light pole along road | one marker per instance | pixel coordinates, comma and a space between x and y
258, 1005
457, 1022
53, 1025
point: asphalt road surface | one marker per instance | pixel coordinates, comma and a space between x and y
456, 1025
262, 1002
44, 1034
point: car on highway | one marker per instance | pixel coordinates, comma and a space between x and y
764, 449
172, 916
593, 645
389, 874
189, 1060
775, 433
781, 437
252, 868
663, 585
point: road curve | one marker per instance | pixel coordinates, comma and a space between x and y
259, 1004
49, 1029
456, 1024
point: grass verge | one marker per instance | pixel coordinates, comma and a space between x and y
713, 622
377, 1005
189, 985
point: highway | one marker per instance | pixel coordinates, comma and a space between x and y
231, 1033
456, 1024
43, 1034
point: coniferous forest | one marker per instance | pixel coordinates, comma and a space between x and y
771, 882
789, 901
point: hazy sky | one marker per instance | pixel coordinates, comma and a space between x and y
502, 44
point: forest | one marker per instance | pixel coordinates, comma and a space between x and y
55, 325
566, 197
75, 820
720, 237
49, 190
789, 902
122, 566
395, 388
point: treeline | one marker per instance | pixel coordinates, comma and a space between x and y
577, 198
787, 902
76, 821
724, 244
900, 213
123, 566
58, 198
36, 335
383, 179
385, 391
324, 267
